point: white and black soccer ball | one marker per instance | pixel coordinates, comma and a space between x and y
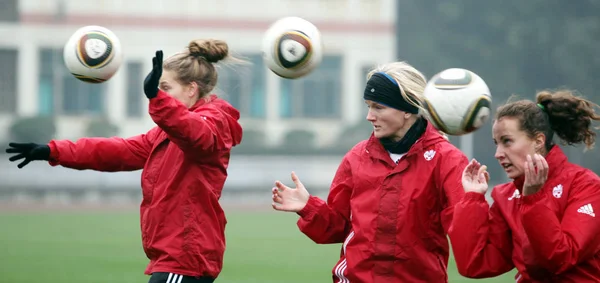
457, 101
292, 47
93, 54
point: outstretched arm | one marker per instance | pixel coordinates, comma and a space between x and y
103, 154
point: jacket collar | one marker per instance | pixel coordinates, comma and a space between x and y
376, 150
203, 101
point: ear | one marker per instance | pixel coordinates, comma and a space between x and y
539, 142
192, 89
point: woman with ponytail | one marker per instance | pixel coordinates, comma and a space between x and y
184, 161
544, 222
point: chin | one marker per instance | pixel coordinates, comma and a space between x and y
513, 175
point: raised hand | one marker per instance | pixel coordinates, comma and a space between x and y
536, 174
475, 177
28, 152
153, 78
290, 199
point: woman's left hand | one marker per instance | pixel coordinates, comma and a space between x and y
536, 174
153, 78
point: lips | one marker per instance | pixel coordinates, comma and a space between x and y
506, 165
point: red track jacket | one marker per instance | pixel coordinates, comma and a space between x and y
392, 219
550, 236
184, 160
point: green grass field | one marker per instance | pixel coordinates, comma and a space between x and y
101, 247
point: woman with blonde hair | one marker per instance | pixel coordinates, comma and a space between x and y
184, 161
391, 200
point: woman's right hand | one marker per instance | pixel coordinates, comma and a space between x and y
289, 199
28, 152
475, 178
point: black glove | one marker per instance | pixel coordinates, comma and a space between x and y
29, 151
153, 78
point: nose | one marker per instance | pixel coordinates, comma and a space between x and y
499, 153
370, 116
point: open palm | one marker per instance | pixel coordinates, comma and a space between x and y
290, 199
475, 178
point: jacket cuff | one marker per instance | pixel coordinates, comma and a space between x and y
159, 98
311, 207
474, 197
53, 160
531, 199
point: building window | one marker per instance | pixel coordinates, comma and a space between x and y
8, 80
318, 95
135, 91
244, 86
9, 11
61, 93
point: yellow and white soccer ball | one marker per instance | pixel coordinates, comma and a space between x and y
457, 101
292, 47
93, 54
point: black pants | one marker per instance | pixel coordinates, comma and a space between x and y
165, 277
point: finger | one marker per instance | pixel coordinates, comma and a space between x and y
281, 187
296, 180
541, 162
527, 168
481, 178
544, 165
19, 145
469, 169
532, 167
276, 191
481, 170
154, 62
481, 174
14, 150
25, 162
277, 199
542, 169
159, 56
487, 177
17, 157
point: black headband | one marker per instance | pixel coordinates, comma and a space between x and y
383, 89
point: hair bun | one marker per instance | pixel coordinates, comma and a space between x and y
211, 50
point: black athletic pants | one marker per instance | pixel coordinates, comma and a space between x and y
165, 277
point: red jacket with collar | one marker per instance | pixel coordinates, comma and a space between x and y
184, 160
391, 218
550, 236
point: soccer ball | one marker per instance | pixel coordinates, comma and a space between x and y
292, 47
93, 54
457, 101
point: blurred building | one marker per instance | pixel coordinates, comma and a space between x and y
357, 35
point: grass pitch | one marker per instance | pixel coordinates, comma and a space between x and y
101, 247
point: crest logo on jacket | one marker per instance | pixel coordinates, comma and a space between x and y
516, 194
429, 154
557, 191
